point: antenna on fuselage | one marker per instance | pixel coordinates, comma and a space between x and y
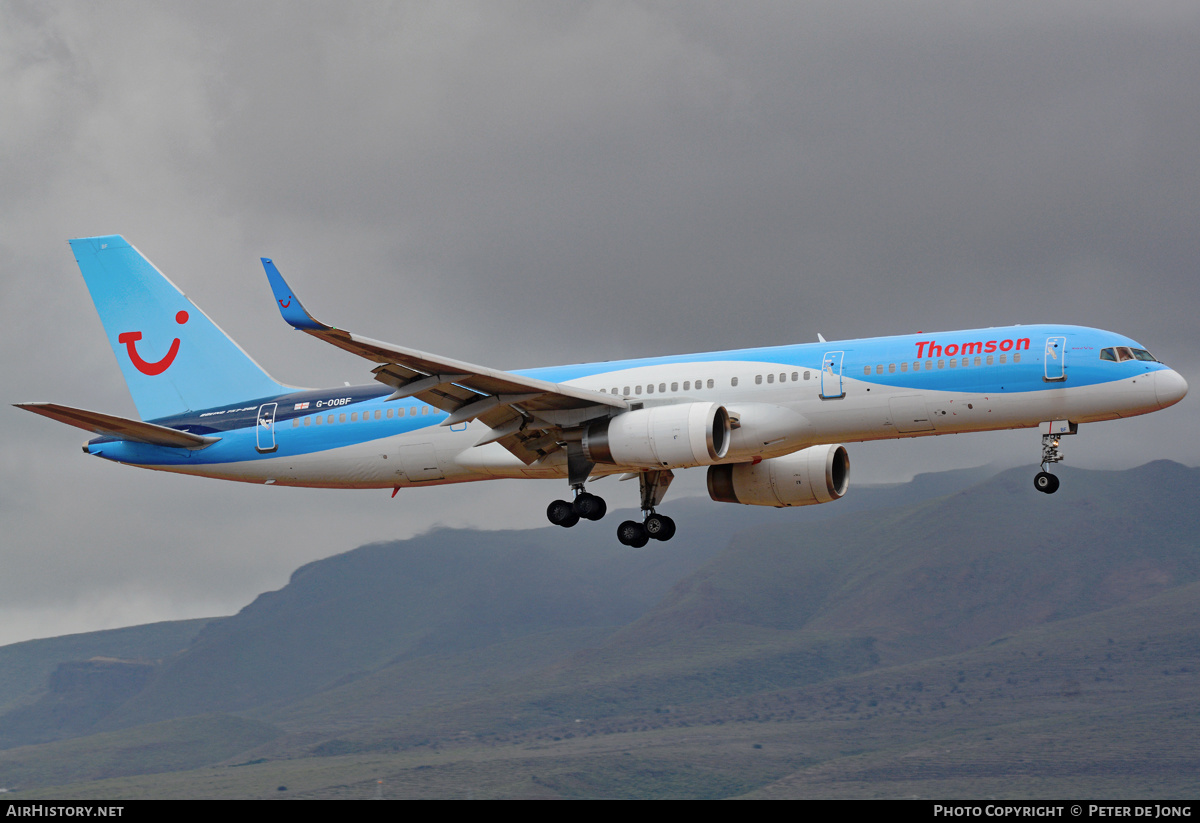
821, 338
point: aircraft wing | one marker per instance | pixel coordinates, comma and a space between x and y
120, 427
519, 410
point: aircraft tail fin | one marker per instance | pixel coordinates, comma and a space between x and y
174, 358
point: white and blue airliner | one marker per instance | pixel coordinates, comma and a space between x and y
767, 423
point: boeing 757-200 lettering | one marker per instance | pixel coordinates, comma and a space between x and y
767, 423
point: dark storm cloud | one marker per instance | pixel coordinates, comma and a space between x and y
530, 183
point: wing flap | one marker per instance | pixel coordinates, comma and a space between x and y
120, 427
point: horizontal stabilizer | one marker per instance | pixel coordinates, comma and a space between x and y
120, 427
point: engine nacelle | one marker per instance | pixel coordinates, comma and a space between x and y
671, 437
817, 474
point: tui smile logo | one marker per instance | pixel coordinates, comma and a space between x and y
130, 338
283, 305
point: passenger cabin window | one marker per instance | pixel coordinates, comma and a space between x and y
795, 376
891, 368
904, 366
710, 382
879, 369
770, 378
674, 387
732, 381
757, 379
866, 369
808, 375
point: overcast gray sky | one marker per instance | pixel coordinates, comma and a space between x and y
521, 184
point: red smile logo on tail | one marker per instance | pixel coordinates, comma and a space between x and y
130, 339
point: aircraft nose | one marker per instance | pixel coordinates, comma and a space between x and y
1169, 387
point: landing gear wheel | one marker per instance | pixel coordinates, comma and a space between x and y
1045, 482
632, 533
589, 506
562, 513
660, 527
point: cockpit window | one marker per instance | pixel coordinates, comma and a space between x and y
1123, 353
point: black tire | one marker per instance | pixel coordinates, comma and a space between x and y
589, 506
660, 527
1045, 482
561, 513
632, 533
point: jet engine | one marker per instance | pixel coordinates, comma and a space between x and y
675, 436
817, 474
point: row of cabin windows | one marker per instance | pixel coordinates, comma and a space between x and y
688, 385
318, 419
662, 387
941, 364
783, 377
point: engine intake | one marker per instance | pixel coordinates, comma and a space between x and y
676, 436
817, 474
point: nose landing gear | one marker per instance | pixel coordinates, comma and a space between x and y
1052, 433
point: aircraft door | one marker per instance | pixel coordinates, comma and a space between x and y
1056, 353
265, 429
831, 376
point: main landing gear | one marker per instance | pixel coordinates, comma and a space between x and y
1052, 433
654, 526
587, 506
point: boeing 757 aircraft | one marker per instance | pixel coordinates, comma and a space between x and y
767, 423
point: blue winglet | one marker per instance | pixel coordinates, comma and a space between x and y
289, 306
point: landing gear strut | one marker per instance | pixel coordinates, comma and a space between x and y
1052, 433
654, 526
585, 505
